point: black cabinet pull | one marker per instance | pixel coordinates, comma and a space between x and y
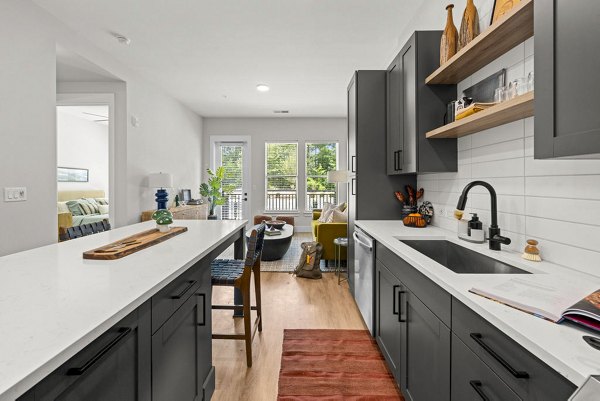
592, 341
353, 186
123, 332
353, 164
394, 311
203, 296
400, 161
400, 307
186, 289
476, 384
478, 338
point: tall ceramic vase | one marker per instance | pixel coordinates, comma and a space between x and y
449, 38
469, 26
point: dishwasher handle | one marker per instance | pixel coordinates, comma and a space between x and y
358, 241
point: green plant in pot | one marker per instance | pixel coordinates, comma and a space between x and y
215, 191
163, 218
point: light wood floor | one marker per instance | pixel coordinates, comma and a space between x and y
288, 302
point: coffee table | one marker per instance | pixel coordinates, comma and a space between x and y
275, 246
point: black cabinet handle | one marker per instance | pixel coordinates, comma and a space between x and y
592, 342
186, 289
203, 296
400, 319
353, 186
123, 332
478, 338
476, 384
400, 160
353, 164
394, 311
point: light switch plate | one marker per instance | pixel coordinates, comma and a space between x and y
15, 194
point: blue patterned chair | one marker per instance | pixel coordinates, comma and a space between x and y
236, 273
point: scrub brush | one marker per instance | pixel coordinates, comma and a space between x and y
531, 251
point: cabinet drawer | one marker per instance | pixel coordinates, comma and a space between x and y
524, 373
208, 387
436, 299
170, 298
473, 380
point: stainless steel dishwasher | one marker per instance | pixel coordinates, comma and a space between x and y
364, 276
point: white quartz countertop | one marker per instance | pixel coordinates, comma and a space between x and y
53, 302
560, 346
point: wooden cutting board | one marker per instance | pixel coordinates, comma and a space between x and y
132, 244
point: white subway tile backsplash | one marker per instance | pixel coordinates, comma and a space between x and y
573, 210
499, 168
503, 133
571, 187
498, 151
568, 233
554, 201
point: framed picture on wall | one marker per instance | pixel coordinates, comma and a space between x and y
501, 8
70, 174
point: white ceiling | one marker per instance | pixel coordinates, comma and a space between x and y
212, 54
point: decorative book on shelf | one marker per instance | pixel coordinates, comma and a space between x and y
472, 109
549, 298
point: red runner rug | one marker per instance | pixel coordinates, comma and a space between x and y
334, 365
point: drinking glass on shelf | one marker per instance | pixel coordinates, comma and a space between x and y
499, 95
521, 86
512, 90
530, 82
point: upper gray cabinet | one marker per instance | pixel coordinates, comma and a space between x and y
567, 91
414, 108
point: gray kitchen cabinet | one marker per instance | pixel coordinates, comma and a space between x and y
430, 340
370, 189
387, 309
414, 108
181, 351
567, 122
425, 352
473, 380
116, 366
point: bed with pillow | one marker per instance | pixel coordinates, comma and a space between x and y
81, 207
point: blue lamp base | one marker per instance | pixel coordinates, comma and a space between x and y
162, 197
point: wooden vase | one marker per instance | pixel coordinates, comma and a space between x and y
449, 38
469, 26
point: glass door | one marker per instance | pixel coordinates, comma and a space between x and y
234, 157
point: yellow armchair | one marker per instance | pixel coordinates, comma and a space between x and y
325, 233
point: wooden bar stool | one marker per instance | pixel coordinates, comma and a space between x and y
236, 273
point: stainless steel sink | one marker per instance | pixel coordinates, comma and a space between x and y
461, 260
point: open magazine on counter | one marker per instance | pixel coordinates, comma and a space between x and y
549, 298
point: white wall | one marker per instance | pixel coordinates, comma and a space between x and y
168, 138
264, 130
554, 201
82, 144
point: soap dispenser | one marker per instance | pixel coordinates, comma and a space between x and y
475, 232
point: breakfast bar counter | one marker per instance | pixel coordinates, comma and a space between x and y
53, 303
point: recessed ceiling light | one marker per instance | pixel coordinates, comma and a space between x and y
122, 39
262, 88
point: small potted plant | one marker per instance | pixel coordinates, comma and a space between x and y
163, 218
214, 190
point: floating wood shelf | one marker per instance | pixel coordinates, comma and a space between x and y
514, 28
512, 110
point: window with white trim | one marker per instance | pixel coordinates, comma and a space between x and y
321, 157
281, 181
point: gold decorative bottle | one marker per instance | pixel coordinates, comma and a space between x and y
469, 26
449, 38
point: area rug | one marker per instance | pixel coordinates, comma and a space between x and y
334, 365
288, 263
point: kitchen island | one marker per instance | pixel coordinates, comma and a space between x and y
54, 304
476, 344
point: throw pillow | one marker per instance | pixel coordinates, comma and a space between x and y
74, 208
326, 212
340, 217
63, 208
103, 209
94, 205
102, 201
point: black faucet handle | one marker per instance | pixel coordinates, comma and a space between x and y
501, 239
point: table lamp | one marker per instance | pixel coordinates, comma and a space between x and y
161, 181
337, 176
